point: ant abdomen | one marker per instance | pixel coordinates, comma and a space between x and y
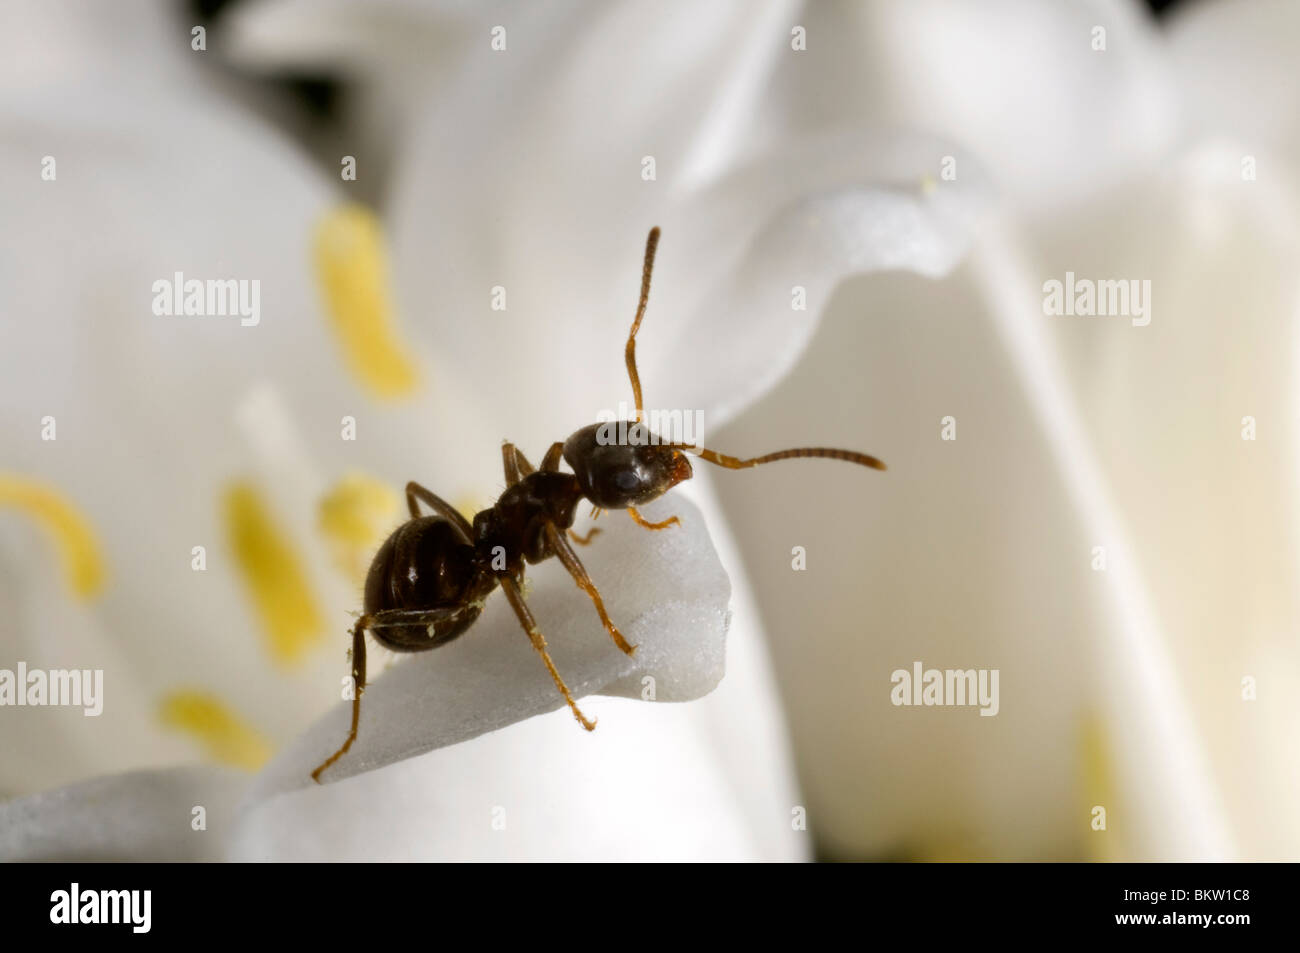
423, 565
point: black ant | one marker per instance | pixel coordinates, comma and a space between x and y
428, 581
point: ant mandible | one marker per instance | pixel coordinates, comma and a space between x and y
428, 581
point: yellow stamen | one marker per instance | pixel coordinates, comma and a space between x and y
225, 736
352, 268
355, 515
950, 846
274, 574
79, 550
1099, 790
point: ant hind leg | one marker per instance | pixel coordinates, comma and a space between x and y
385, 619
440, 506
358, 687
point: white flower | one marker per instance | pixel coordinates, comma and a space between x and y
1119, 153
154, 426
1123, 689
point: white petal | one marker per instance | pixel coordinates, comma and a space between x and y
666, 591
930, 561
1235, 66
139, 48
1018, 82
561, 234
743, 717
144, 468
1152, 745
976, 552
315, 35
48, 746
787, 231
1211, 517
719, 786
140, 816
721, 326
646, 785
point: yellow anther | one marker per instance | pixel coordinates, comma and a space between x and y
352, 267
79, 550
274, 574
1098, 789
225, 736
354, 516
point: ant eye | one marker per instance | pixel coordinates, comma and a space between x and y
627, 480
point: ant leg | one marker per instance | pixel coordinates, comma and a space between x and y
510, 463
642, 521
629, 352
440, 506
389, 617
358, 686
516, 464
551, 461
579, 574
516, 600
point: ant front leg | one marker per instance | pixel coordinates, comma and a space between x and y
551, 462
642, 521
584, 540
579, 573
516, 599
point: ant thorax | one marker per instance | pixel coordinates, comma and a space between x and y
514, 529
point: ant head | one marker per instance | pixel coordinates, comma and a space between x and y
620, 463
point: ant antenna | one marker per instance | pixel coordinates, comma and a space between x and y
651, 243
735, 463
712, 456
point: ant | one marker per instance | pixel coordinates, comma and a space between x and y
429, 580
